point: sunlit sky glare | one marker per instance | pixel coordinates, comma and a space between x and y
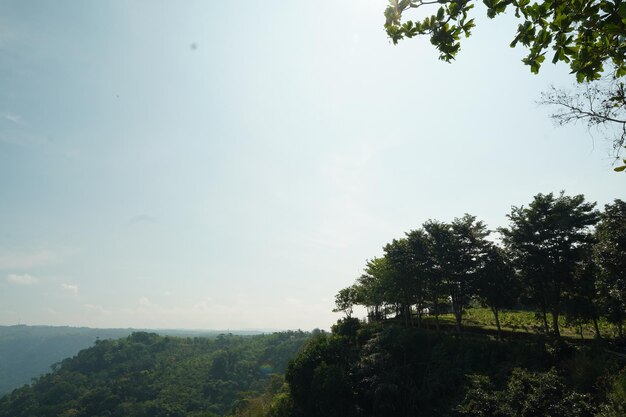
232, 165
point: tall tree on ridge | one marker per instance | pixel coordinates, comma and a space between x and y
610, 256
546, 240
421, 263
496, 284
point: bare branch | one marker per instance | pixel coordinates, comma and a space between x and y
600, 104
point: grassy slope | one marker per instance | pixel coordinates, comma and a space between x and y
519, 321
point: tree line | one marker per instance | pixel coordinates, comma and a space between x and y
559, 255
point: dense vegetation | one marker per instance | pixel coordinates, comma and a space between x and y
28, 351
150, 375
550, 260
386, 369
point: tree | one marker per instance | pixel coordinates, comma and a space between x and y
439, 236
468, 250
421, 264
496, 284
456, 251
586, 34
546, 240
582, 304
373, 287
319, 379
345, 300
399, 259
610, 256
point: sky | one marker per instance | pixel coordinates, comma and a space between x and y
232, 165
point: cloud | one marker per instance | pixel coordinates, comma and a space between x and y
31, 259
13, 118
94, 308
24, 279
142, 218
70, 288
144, 302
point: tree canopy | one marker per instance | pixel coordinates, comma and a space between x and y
588, 35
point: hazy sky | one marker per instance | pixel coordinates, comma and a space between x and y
233, 164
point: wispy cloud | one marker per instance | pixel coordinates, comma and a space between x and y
11, 259
23, 279
70, 288
142, 218
144, 302
94, 308
13, 118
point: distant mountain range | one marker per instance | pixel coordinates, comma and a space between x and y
27, 352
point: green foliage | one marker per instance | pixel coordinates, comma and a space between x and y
396, 371
345, 300
27, 352
546, 240
319, 380
587, 35
546, 265
610, 256
150, 375
526, 394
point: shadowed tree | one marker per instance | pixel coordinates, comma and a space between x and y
582, 302
373, 288
468, 251
610, 256
496, 284
421, 263
456, 251
439, 237
399, 260
546, 240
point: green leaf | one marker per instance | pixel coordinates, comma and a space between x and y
440, 13
619, 169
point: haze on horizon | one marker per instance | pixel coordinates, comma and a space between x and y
221, 165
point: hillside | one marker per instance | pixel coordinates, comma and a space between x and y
389, 370
27, 352
150, 375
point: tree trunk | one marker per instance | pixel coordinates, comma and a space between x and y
407, 314
546, 328
596, 328
555, 323
419, 314
458, 315
458, 312
580, 331
436, 314
496, 316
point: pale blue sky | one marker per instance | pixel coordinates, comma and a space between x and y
233, 164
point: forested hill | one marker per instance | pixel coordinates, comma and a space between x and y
27, 352
386, 369
146, 374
